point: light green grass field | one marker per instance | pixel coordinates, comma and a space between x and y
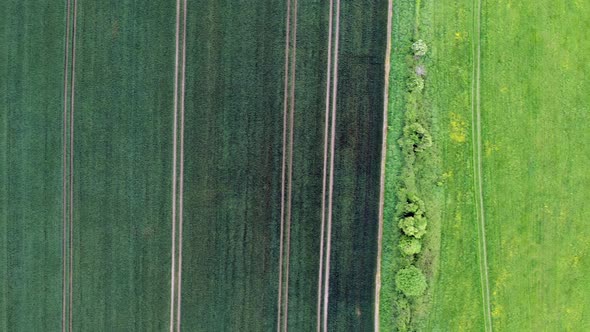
534, 120
534, 113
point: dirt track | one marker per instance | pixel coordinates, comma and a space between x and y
383, 165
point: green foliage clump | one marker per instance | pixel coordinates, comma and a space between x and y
419, 48
413, 226
416, 83
403, 314
415, 138
412, 220
410, 245
410, 281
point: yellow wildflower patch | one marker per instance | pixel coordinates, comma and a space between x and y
458, 132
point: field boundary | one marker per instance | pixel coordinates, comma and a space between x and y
383, 164
477, 163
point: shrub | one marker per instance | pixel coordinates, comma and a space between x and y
410, 245
403, 314
411, 281
416, 137
419, 48
416, 83
413, 226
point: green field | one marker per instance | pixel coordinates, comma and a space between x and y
530, 93
122, 165
122, 85
31, 116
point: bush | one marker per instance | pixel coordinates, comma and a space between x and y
416, 84
410, 246
415, 137
419, 48
403, 314
410, 281
413, 226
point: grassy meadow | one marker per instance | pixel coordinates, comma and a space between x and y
534, 116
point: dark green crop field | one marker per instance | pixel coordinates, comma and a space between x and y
166, 164
31, 116
122, 165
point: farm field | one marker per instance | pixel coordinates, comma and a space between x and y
123, 97
175, 171
31, 166
522, 68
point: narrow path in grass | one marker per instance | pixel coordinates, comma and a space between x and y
477, 161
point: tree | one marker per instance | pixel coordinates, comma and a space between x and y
410, 281
410, 245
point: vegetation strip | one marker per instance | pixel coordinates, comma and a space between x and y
325, 167
331, 178
283, 171
477, 160
383, 163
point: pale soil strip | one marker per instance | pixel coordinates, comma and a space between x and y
65, 250
383, 164
331, 185
284, 161
72, 110
290, 176
181, 180
325, 167
174, 161
477, 161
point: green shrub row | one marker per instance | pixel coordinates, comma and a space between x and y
411, 211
